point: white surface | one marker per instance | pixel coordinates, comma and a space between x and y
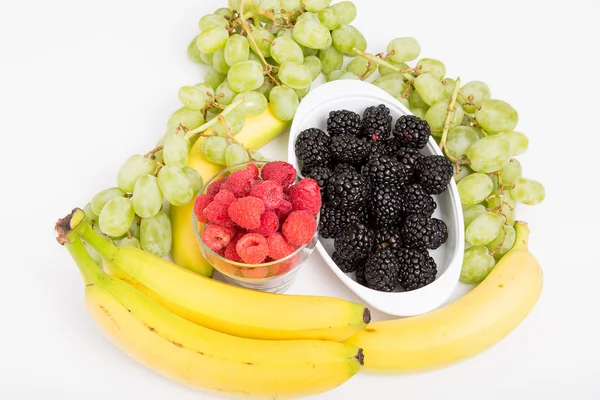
83, 85
357, 96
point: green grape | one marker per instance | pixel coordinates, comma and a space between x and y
235, 122
284, 102
294, 75
508, 210
213, 149
459, 140
195, 178
135, 166
344, 39
193, 97
270, 26
360, 42
257, 155
312, 34
497, 116
252, 56
127, 242
418, 112
175, 185
265, 5
430, 89
291, 5
436, 116
208, 21
449, 85
236, 50
90, 216
331, 59
483, 229
175, 150
286, 32
254, 103
462, 174
360, 66
219, 63
285, 49
224, 12
101, 198
147, 198
479, 92
433, 67
246, 76
225, 93
266, 87
392, 83
504, 242
477, 265
512, 172
528, 191
301, 93
519, 142
156, 234
383, 70
314, 65
315, 5
193, 51
416, 101
339, 75
402, 100
307, 16
116, 216
470, 213
328, 18
262, 46
212, 39
134, 228
345, 12
474, 189
214, 78
191, 119
490, 154
235, 154
403, 49
306, 51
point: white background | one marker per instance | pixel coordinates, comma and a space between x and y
85, 84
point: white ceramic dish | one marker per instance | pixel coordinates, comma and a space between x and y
356, 96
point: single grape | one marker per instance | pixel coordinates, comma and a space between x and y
286, 32
528, 191
191, 119
266, 88
127, 242
402, 100
257, 155
101, 198
193, 97
116, 216
403, 49
433, 67
176, 149
497, 116
361, 67
147, 198
344, 39
392, 83
360, 42
135, 166
193, 51
436, 116
512, 172
259, 34
175, 185
246, 76
503, 242
90, 216
254, 103
328, 18
331, 59
156, 234
460, 140
285, 49
490, 154
477, 265
312, 34
384, 70
430, 89
284, 102
134, 228
519, 142
235, 154
235, 122
462, 173
214, 78
476, 92
315, 5
508, 210
470, 213
208, 21
213, 149
416, 101
195, 178
212, 39
290, 5
449, 85
307, 51
270, 26
225, 93
224, 12
206, 58
345, 12
236, 50
339, 75
483, 229
474, 189
219, 63
314, 65
269, 5
294, 75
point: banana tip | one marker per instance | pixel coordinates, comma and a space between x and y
67, 224
366, 315
360, 356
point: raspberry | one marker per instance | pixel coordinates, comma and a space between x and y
217, 237
306, 195
200, 204
214, 187
269, 223
279, 247
239, 183
279, 171
284, 209
256, 273
252, 248
299, 227
231, 252
225, 197
216, 213
246, 212
270, 192
253, 170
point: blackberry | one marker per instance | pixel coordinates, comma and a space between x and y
360, 275
343, 122
386, 205
376, 123
349, 149
332, 220
421, 231
348, 190
388, 236
408, 157
343, 167
417, 268
382, 269
354, 242
313, 148
388, 147
384, 170
433, 173
321, 175
416, 201
412, 131
347, 265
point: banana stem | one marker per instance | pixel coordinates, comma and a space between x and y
105, 248
522, 240
88, 268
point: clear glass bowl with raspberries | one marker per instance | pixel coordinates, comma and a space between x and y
257, 222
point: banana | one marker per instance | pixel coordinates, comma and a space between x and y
257, 132
464, 328
202, 358
229, 309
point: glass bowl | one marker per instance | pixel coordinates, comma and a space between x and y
274, 276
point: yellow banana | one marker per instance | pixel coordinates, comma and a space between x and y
257, 132
202, 358
225, 308
464, 328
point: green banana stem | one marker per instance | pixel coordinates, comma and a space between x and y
522, 241
105, 248
87, 266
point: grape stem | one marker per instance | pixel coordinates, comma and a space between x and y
196, 132
500, 207
232, 139
380, 61
152, 153
451, 110
474, 123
